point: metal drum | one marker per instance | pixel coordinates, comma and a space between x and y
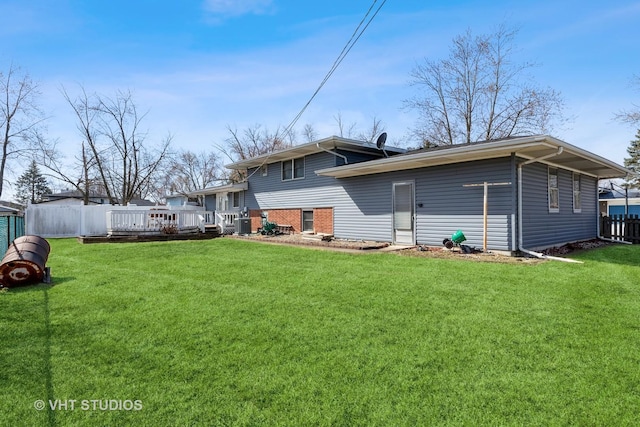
24, 262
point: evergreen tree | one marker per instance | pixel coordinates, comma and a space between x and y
31, 185
633, 162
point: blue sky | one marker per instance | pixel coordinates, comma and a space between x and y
199, 66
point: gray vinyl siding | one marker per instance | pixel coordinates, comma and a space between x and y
446, 205
449, 206
542, 228
363, 205
271, 192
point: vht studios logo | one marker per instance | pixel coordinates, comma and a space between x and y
89, 405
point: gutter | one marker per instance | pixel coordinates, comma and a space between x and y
346, 162
520, 244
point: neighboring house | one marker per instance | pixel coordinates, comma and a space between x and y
547, 193
616, 202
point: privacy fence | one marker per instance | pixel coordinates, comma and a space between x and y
11, 227
621, 227
73, 220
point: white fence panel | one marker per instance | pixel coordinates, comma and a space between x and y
80, 220
53, 221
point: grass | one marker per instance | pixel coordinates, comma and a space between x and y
227, 332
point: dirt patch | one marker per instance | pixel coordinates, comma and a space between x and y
422, 250
301, 240
576, 247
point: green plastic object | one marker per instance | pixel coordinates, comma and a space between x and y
458, 237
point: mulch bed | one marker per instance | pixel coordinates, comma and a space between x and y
424, 251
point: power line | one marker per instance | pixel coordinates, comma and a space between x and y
345, 50
357, 33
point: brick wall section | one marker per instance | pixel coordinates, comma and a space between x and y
256, 219
323, 220
292, 217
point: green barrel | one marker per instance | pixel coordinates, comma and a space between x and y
458, 237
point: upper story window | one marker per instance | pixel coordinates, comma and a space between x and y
577, 199
554, 192
293, 169
264, 170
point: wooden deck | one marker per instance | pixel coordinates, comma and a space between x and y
149, 237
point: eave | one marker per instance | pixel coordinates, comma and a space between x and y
531, 147
331, 143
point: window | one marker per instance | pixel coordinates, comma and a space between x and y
554, 196
236, 199
307, 220
577, 199
264, 169
293, 169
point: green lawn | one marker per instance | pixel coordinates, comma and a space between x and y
229, 332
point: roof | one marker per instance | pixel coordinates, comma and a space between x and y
554, 151
228, 188
330, 143
8, 210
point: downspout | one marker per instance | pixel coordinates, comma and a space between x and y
520, 244
346, 162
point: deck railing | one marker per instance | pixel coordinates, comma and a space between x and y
154, 221
226, 221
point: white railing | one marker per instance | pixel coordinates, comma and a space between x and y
155, 221
226, 220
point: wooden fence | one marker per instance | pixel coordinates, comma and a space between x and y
621, 227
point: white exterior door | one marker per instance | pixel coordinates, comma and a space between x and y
222, 201
403, 213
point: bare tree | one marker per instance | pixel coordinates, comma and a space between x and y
479, 93
372, 133
252, 142
631, 116
189, 171
115, 156
309, 133
344, 130
20, 117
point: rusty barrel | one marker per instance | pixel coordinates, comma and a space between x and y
24, 262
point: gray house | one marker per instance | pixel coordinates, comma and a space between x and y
522, 193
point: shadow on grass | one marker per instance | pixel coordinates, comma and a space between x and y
40, 287
48, 375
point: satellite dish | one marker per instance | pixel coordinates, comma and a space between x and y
382, 139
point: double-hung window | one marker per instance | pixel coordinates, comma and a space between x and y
293, 169
554, 192
577, 199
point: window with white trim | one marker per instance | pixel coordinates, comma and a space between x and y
264, 170
293, 169
554, 192
577, 198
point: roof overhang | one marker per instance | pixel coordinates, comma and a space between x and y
530, 148
229, 188
331, 143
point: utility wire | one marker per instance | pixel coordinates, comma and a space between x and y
345, 50
357, 33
